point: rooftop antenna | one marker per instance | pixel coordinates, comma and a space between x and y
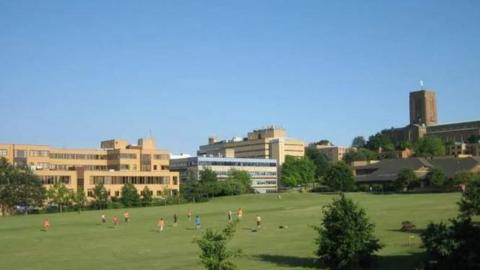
150, 133
421, 85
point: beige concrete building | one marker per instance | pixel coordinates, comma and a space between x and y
334, 153
464, 149
114, 164
268, 143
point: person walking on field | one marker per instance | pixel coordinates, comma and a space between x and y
189, 214
126, 216
259, 222
230, 216
161, 224
46, 224
175, 220
104, 218
198, 222
115, 221
240, 213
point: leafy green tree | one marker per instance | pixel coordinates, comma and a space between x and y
473, 139
243, 178
359, 142
380, 141
405, 179
60, 195
320, 160
19, 187
452, 246
79, 199
429, 147
464, 177
100, 196
361, 154
340, 177
437, 178
147, 197
346, 237
297, 171
214, 252
129, 195
207, 175
470, 202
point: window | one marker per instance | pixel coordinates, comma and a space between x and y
175, 180
159, 193
3, 152
155, 167
21, 154
117, 193
90, 193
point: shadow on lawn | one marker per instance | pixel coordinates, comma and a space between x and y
413, 231
288, 261
398, 262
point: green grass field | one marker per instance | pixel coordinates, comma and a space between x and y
79, 241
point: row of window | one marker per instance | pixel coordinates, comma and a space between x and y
161, 156
234, 163
3, 152
55, 179
76, 156
136, 180
117, 193
252, 174
266, 182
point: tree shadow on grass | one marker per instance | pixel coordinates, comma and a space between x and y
398, 262
289, 261
412, 231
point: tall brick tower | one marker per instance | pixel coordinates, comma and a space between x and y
423, 108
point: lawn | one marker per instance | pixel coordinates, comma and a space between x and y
79, 241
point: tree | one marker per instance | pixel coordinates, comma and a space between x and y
100, 196
297, 171
346, 237
361, 154
464, 177
452, 246
129, 195
243, 178
60, 195
429, 147
470, 201
406, 178
207, 175
214, 252
380, 141
359, 142
19, 187
473, 139
339, 177
437, 178
147, 196
320, 160
79, 199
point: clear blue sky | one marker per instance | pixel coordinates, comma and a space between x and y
73, 73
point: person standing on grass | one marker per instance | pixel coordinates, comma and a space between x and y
175, 220
104, 218
189, 214
46, 224
259, 222
126, 216
161, 224
240, 213
115, 221
230, 216
198, 222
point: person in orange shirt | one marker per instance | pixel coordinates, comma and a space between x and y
189, 214
115, 221
46, 224
240, 213
161, 224
126, 217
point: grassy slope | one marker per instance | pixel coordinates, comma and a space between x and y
78, 241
